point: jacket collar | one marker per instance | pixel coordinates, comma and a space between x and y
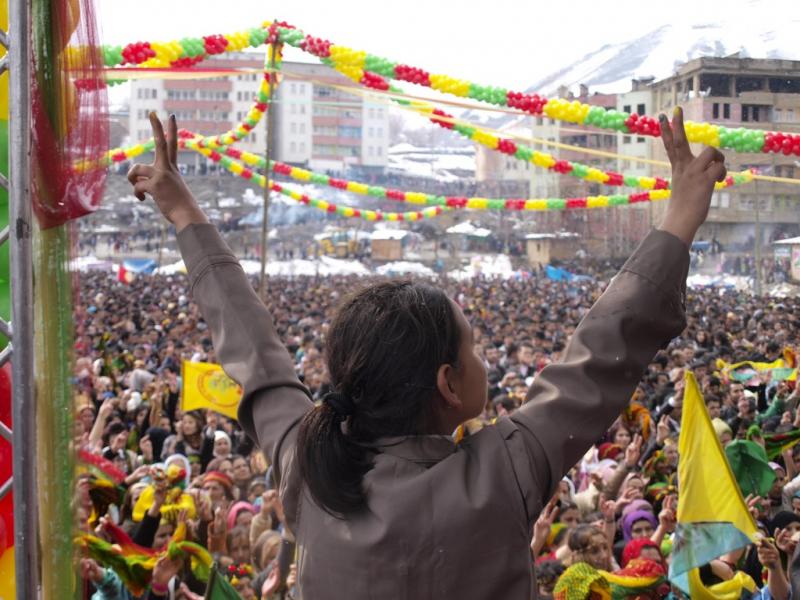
417, 448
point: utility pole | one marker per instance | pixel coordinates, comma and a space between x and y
757, 286
273, 80
161, 241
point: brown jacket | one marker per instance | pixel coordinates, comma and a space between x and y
443, 520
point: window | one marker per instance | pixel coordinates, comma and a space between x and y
640, 109
726, 111
293, 109
371, 132
626, 139
715, 110
303, 147
293, 128
154, 94
292, 147
379, 151
778, 115
254, 138
302, 127
302, 109
324, 91
626, 108
790, 115
370, 151
293, 88
380, 131
350, 132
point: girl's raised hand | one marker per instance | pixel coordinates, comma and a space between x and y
163, 181
693, 179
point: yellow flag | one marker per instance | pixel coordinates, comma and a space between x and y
730, 589
708, 488
712, 516
205, 385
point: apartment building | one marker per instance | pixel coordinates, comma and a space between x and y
318, 124
742, 92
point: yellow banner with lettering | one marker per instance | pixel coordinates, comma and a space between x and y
206, 386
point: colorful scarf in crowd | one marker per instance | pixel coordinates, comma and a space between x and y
640, 579
650, 469
633, 549
134, 564
637, 418
777, 443
582, 582
176, 500
100, 467
104, 480
610, 451
555, 529
659, 490
755, 373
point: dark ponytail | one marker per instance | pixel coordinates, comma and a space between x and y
383, 351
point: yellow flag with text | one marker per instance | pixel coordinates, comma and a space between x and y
712, 515
205, 385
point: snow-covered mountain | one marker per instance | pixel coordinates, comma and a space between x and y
658, 52
610, 68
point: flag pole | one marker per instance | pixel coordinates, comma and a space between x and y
211, 579
268, 150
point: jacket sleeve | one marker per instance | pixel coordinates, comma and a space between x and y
572, 403
110, 588
146, 531
245, 341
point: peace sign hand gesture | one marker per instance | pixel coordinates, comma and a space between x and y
163, 181
693, 179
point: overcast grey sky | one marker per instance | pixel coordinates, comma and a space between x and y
499, 42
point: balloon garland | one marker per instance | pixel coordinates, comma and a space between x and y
239, 169
235, 134
475, 134
440, 203
526, 153
369, 69
376, 191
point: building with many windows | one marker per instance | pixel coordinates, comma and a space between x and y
742, 92
318, 124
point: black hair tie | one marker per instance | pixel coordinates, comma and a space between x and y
342, 405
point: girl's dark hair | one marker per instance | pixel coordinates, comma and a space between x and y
384, 348
112, 430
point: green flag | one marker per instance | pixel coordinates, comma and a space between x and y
219, 588
749, 464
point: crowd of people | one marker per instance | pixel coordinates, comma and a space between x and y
615, 512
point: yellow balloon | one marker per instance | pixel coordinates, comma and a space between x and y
8, 585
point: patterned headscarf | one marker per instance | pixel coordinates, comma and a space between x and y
633, 549
582, 582
637, 418
650, 467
